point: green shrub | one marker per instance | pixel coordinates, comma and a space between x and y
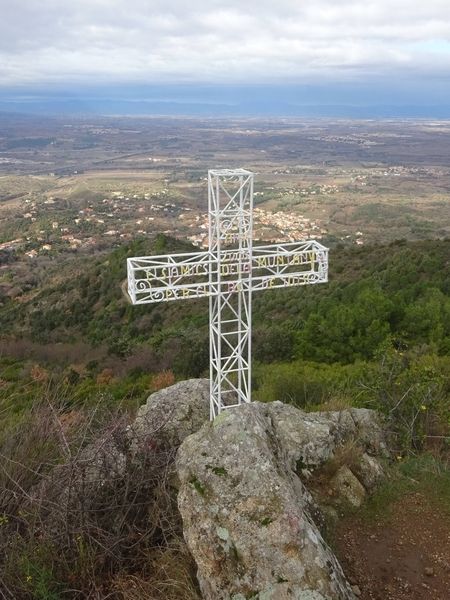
411, 389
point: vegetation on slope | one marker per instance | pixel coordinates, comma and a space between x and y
383, 321
399, 293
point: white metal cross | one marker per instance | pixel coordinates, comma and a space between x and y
228, 272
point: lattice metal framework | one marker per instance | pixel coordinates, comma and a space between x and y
228, 272
230, 210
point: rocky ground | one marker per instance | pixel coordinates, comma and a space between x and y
258, 485
403, 557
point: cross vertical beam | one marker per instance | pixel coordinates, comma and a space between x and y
230, 213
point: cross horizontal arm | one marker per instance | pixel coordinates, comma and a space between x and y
187, 275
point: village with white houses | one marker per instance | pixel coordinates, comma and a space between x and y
51, 225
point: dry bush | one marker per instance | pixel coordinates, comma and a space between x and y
83, 514
334, 404
437, 437
169, 577
163, 380
70, 420
39, 374
105, 377
60, 353
349, 455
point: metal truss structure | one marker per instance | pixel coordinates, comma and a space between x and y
228, 273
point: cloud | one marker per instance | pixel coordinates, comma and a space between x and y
45, 41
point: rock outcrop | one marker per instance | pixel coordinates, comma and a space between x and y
247, 514
171, 414
249, 520
311, 439
369, 472
347, 487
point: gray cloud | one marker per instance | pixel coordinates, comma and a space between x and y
43, 41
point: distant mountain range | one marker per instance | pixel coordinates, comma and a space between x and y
222, 101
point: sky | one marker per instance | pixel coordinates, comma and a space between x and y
343, 52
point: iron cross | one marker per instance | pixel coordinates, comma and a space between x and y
228, 273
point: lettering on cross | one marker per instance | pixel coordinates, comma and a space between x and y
228, 276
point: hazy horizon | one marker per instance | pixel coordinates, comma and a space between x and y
226, 101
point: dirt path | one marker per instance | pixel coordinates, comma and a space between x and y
406, 557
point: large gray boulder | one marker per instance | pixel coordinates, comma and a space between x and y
171, 414
245, 512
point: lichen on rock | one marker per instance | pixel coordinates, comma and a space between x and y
171, 414
251, 534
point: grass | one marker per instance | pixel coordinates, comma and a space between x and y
424, 474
